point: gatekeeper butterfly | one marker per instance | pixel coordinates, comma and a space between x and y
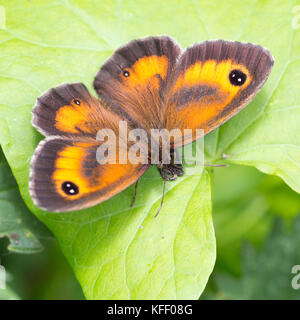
150, 84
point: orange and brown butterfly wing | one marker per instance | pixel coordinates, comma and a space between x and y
213, 81
71, 111
136, 78
65, 173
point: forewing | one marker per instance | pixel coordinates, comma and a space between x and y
213, 81
135, 79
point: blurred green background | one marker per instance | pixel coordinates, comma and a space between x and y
255, 218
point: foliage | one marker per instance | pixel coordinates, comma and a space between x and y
16, 222
267, 273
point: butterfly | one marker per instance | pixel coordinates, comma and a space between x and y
150, 83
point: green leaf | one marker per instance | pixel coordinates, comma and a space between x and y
50, 42
122, 253
16, 222
267, 274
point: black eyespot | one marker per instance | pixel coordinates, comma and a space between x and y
237, 77
77, 102
70, 188
126, 73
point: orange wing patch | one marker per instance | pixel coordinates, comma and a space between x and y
71, 117
145, 70
211, 73
70, 165
68, 168
202, 93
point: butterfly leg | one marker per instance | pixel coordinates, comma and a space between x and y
162, 199
135, 192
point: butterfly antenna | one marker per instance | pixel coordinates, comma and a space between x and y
135, 192
215, 165
162, 199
